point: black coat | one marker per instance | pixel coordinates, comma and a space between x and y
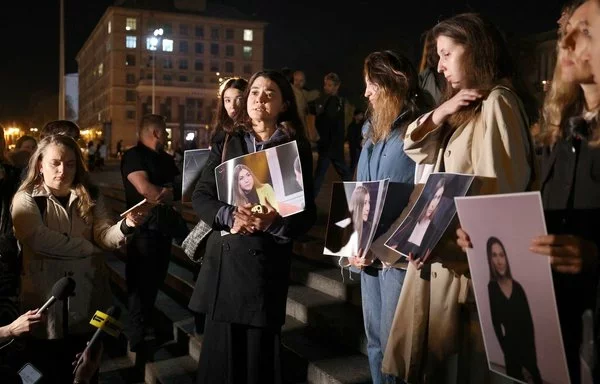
330, 124
244, 278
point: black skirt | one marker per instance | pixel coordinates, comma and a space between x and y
236, 354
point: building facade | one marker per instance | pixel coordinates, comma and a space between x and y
170, 61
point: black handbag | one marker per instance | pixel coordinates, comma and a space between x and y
194, 244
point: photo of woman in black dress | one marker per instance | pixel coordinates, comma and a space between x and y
511, 316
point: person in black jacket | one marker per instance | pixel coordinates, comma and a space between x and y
329, 110
243, 283
511, 316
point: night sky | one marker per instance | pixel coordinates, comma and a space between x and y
316, 36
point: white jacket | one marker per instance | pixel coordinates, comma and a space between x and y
62, 244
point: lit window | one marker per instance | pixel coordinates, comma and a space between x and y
167, 45
130, 24
100, 69
130, 41
109, 26
248, 35
247, 52
151, 43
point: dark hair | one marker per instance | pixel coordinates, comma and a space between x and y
430, 60
222, 120
399, 83
21, 140
493, 273
151, 121
487, 61
288, 73
333, 77
288, 119
440, 184
60, 127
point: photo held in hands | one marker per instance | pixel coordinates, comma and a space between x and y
513, 287
269, 179
428, 219
354, 214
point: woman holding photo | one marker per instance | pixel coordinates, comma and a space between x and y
242, 285
394, 101
571, 150
511, 315
248, 190
481, 128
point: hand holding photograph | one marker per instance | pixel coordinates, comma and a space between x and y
354, 214
428, 219
513, 287
272, 176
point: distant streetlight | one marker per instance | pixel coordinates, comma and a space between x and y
154, 42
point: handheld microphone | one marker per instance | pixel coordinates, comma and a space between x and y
106, 323
62, 289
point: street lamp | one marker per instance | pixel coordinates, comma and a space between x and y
154, 41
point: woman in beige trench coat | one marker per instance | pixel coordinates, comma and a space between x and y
481, 129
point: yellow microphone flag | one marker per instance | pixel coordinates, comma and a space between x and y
106, 323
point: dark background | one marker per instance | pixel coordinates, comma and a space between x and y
316, 36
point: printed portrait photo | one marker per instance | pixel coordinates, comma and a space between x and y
430, 216
354, 213
272, 176
513, 287
193, 162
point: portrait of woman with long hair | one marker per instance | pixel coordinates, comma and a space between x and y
248, 189
418, 234
511, 316
359, 208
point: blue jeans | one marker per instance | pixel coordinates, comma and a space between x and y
380, 291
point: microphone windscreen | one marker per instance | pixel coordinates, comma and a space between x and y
63, 288
114, 312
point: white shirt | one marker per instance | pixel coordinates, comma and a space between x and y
416, 237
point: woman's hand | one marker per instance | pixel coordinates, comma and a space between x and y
243, 220
246, 221
463, 240
262, 221
360, 260
90, 363
418, 263
463, 98
135, 219
25, 323
568, 253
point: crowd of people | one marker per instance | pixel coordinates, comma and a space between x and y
466, 110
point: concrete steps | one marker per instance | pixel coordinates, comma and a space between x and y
323, 337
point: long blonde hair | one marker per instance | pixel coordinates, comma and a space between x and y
564, 99
239, 196
80, 186
398, 85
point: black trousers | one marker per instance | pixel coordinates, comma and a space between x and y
53, 358
323, 162
238, 354
148, 255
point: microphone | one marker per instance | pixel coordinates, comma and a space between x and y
62, 289
106, 323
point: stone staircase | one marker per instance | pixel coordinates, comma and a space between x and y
323, 336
